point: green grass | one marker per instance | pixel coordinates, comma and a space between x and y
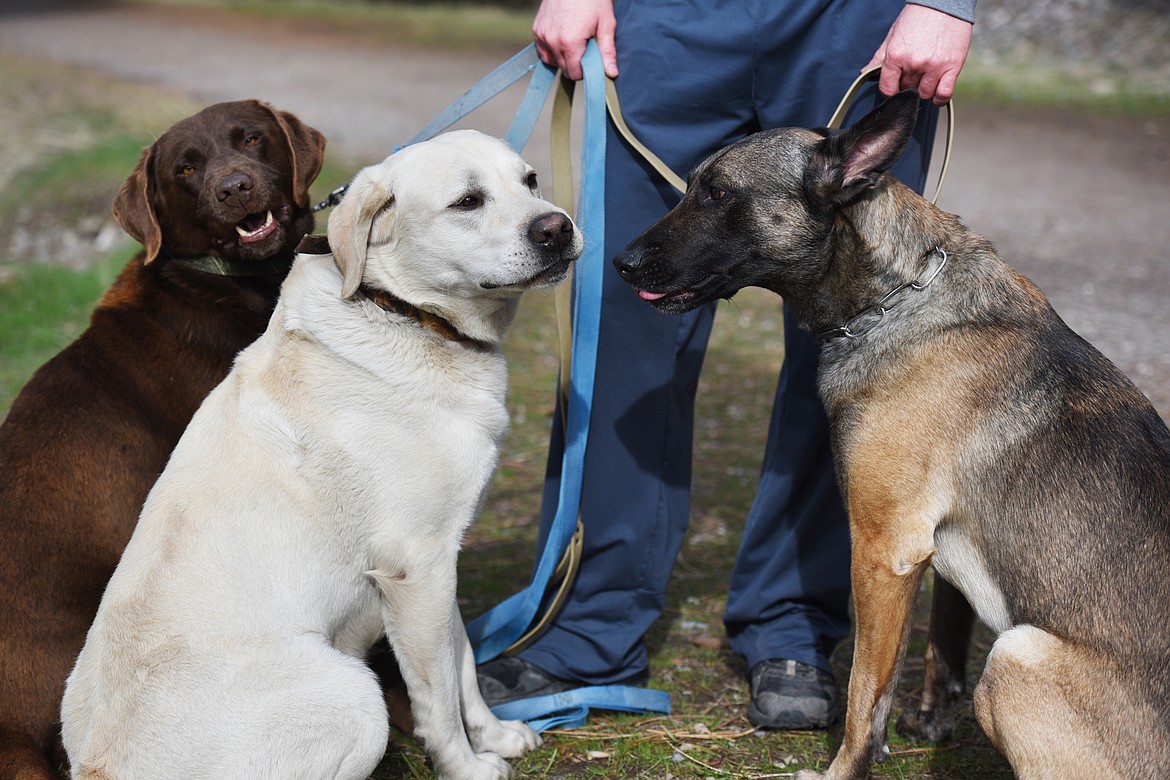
42, 309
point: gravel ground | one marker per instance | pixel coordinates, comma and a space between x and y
1081, 204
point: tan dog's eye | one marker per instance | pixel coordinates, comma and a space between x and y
468, 202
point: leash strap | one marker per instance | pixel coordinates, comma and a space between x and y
851, 94
570, 710
495, 631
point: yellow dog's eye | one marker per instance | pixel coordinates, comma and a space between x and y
468, 202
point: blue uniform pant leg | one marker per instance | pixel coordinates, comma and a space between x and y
789, 593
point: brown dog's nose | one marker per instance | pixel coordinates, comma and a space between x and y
234, 185
553, 230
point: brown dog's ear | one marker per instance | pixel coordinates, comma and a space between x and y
306, 148
133, 207
350, 225
847, 163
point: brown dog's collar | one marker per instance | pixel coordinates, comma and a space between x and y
210, 264
433, 322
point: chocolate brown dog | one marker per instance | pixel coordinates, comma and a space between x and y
972, 430
219, 202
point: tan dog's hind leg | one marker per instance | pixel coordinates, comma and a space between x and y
1058, 710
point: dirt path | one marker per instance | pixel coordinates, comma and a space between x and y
1079, 204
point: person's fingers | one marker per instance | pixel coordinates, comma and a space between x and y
572, 60
928, 84
892, 79
946, 88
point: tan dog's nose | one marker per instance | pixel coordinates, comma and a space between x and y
551, 231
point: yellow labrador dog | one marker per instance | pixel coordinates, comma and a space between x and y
319, 496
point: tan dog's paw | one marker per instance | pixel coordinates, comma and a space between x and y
509, 738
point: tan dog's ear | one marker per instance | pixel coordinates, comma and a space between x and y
847, 163
133, 207
350, 225
306, 148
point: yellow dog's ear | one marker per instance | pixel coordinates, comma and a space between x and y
367, 199
134, 205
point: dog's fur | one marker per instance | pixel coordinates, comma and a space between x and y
92, 429
972, 429
319, 496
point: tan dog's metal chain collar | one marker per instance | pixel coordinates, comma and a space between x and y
852, 329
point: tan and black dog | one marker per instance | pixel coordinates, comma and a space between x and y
219, 202
972, 430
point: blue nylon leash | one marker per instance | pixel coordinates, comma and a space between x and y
496, 630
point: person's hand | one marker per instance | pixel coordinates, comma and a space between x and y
563, 27
925, 49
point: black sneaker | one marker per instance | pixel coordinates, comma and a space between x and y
790, 695
507, 679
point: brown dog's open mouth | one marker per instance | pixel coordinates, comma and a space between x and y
256, 227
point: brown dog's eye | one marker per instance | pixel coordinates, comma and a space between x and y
186, 170
252, 140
